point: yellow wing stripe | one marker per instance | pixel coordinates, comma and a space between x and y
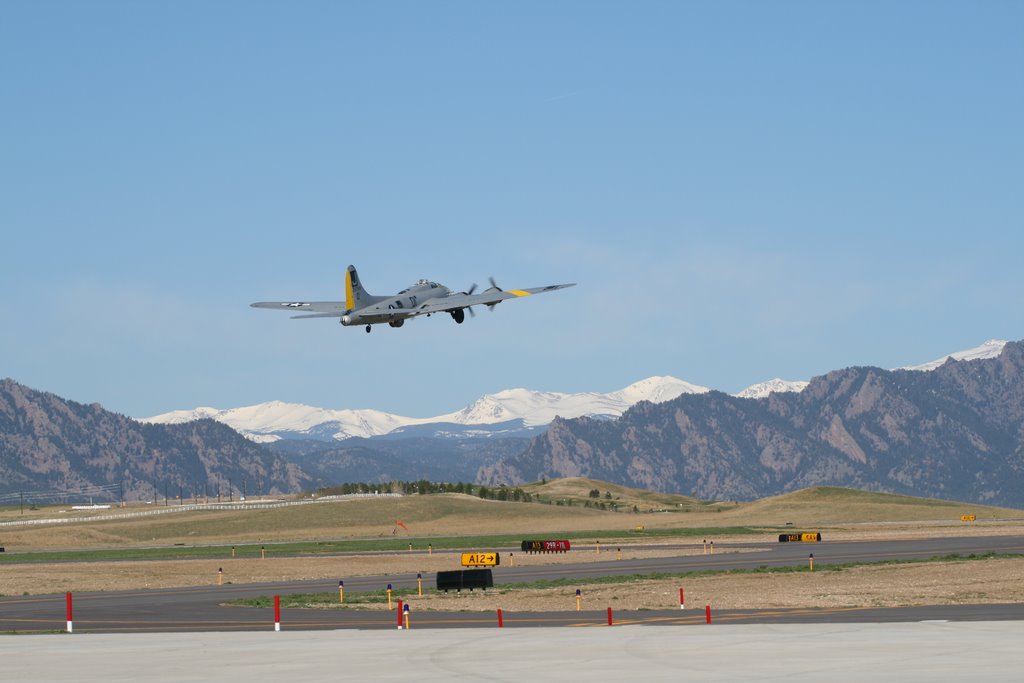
517, 292
350, 299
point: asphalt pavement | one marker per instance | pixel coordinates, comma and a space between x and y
201, 608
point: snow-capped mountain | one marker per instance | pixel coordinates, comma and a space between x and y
776, 385
505, 411
274, 420
536, 408
266, 422
990, 349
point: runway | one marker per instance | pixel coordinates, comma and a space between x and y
199, 608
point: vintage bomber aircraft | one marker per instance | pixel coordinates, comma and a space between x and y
422, 298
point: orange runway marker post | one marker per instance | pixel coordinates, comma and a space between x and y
712, 544
430, 549
810, 561
419, 585
618, 553
389, 596
405, 614
705, 546
410, 547
341, 592
220, 576
579, 599
232, 551
263, 552
598, 544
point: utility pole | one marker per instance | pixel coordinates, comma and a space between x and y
165, 494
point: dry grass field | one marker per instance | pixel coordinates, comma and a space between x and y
836, 510
837, 513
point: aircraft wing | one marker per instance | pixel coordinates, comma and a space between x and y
306, 309
487, 298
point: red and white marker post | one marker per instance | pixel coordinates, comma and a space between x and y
277, 612
501, 622
70, 627
399, 615
682, 601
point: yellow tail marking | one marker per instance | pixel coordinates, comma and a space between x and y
350, 299
517, 292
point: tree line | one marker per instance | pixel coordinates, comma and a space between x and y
424, 487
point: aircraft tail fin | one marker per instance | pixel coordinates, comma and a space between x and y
355, 296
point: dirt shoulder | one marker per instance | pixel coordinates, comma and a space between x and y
938, 583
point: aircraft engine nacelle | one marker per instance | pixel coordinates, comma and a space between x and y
396, 323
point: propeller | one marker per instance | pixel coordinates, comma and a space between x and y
469, 292
494, 286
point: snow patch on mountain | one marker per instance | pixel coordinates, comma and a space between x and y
990, 349
772, 386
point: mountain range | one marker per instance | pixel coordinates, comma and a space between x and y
950, 428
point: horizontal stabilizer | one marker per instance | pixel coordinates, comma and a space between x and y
335, 308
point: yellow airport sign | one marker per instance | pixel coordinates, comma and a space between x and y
480, 559
967, 518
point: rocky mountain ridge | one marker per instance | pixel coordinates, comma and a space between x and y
51, 444
955, 432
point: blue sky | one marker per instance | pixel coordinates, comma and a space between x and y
742, 190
